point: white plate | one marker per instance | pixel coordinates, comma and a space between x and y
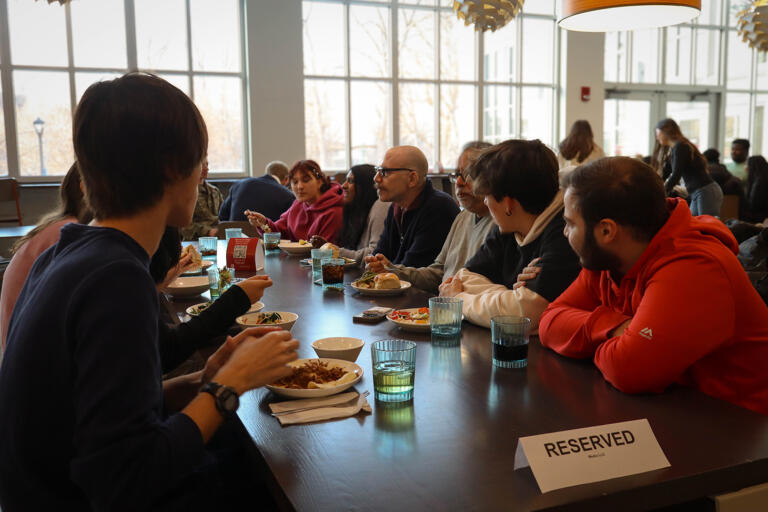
255, 308
295, 248
197, 270
316, 393
404, 285
188, 286
410, 325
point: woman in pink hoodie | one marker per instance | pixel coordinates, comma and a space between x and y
317, 210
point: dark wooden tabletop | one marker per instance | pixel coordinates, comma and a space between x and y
453, 446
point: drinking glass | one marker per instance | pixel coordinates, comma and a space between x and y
333, 273
234, 233
213, 282
394, 370
207, 245
509, 336
445, 319
271, 241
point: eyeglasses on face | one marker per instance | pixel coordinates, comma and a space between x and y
385, 171
465, 177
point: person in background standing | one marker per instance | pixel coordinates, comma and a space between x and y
739, 155
579, 146
206, 216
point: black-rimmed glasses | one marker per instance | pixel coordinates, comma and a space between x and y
465, 177
384, 171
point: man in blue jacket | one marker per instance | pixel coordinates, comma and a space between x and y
420, 216
264, 194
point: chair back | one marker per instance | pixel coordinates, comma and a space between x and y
248, 230
9, 192
730, 207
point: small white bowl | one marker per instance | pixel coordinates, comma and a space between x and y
188, 286
288, 320
338, 348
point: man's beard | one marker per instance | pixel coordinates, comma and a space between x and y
594, 258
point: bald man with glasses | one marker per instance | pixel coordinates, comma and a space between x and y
420, 216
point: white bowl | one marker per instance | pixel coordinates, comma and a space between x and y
295, 248
188, 286
383, 292
338, 348
288, 320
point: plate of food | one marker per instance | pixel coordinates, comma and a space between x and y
412, 319
282, 319
348, 262
299, 248
314, 378
380, 284
197, 269
198, 308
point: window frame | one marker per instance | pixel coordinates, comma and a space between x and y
7, 67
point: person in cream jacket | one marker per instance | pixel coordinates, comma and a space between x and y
520, 182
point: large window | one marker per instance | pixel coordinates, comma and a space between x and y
50, 55
703, 58
384, 73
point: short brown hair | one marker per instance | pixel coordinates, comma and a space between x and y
134, 135
278, 169
623, 189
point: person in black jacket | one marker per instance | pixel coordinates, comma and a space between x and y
519, 179
756, 203
420, 217
264, 194
678, 158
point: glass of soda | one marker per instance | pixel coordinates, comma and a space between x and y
394, 370
333, 273
509, 337
271, 241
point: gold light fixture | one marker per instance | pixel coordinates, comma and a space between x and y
487, 14
614, 15
753, 25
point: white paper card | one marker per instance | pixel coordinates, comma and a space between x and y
259, 256
592, 454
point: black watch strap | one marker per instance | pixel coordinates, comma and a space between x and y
225, 398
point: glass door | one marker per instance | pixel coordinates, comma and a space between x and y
627, 127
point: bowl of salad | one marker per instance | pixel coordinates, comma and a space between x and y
282, 319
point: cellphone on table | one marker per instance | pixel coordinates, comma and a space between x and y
372, 316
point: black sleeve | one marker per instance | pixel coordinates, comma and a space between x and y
226, 206
486, 261
680, 157
559, 264
178, 342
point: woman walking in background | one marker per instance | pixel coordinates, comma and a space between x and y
579, 146
676, 157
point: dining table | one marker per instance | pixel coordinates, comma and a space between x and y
452, 447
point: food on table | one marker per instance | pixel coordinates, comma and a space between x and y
225, 277
304, 242
420, 316
268, 318
386, 281
194, 256
264, 227
196, 310
315, 374
330, 247
366, 280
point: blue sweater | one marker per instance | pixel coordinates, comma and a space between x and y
81, 401
419, 238
264, 195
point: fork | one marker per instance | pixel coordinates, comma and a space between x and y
342, 404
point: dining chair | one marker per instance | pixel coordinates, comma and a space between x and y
248, 230
9, 191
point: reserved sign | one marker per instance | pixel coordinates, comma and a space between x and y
592, 454
245, 254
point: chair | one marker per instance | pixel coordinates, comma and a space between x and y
9, 191
730, 207
248, 230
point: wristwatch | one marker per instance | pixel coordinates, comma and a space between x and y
225, 397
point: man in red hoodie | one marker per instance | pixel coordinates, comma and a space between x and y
662, 298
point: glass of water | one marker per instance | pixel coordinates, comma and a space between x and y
394, 370
233, 233
445, 319
509, 336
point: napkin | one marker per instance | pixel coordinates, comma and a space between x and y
325, 410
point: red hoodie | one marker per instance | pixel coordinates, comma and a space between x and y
696, 318
323, 217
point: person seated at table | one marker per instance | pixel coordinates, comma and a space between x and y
72, 208
468, 231
83, 334
265, 193
419, 218
756, 199
207, 208
662, 298
317, 209
519, 179
729, 184
739, 154
279, 171
579, 147
177, 342
364, 215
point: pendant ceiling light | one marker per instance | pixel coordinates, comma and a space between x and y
753, 25
487, 14
613, 15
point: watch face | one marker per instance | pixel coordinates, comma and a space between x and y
230, 401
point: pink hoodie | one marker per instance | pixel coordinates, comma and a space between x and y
323, 217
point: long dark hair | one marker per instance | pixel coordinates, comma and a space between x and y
757, 167
672, 131
356, 212
71, 204
579, 143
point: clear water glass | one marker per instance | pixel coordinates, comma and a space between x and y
509, 338
233, 233
271, 241
394, 370
214, 282
445, 319
207, 245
